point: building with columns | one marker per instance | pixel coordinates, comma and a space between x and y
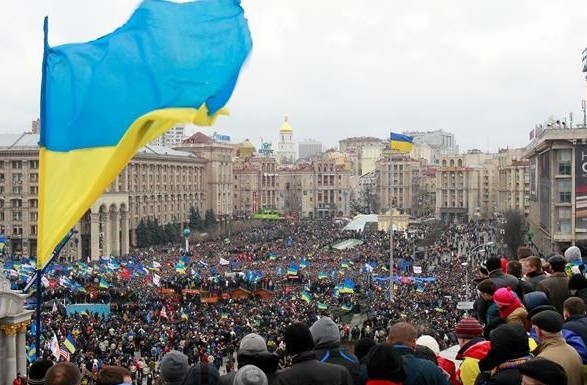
158, 182
255, 185
395, 173
14, 321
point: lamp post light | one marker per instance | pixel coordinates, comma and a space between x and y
467, 263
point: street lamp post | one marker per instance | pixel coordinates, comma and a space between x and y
467, 264
186, 235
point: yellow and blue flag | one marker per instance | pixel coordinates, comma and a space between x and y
400, 142
69, 343
103, 100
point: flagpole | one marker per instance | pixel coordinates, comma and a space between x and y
39, 294
390, 227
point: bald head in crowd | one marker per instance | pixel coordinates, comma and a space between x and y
63, 373
403, 333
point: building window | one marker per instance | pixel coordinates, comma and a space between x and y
564, 191
564, 220
563, 158
16, 164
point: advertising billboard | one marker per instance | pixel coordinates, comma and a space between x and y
581, 187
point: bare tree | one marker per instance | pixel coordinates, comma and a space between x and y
512, 231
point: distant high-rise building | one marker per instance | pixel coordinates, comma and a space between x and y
309, 148
171, 138
286, 151
365, 151
441, 143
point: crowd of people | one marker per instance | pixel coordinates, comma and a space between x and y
172, 305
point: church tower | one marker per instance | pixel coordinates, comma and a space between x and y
286, 152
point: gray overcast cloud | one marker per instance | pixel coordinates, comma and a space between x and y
486, 71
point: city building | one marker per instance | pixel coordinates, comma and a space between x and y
174, 136
557, 169
395, 176
466, 186
513, 181
309, 148
365, 152
286, 151
255, 186
441, 143
158, 183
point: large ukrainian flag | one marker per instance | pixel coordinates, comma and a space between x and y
101, 101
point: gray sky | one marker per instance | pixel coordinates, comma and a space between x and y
486, 71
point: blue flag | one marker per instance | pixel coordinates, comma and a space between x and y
103, 100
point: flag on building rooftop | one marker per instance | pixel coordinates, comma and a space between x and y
400, 142
103, 100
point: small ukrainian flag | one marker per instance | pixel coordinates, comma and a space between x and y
399, 142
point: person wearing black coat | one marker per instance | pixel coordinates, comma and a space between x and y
575, 320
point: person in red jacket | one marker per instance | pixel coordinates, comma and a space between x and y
444, 363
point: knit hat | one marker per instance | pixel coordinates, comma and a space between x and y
543, 370
325, 332
250, 375
508, 341
469, 327
174, 366
549, 321
253, 343
535, 299
577, 282
383, 362
430, 342
298, 338
37, 371
573, 253
202, 374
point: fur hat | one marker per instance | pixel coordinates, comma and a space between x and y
174, 366
253, 343
298, 338
250, 375
325, 332
543, 370
383, 362
577, 282
468, 327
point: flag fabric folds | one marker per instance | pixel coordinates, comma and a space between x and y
69, 343
103, 100
399, 142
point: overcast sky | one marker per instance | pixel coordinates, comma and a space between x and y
485, 71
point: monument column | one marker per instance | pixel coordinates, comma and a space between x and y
115, 220
21, 356
94, 236
9, 364
124, 232
107, 241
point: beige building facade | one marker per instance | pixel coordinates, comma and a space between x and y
395, 182
513, 181
557, 170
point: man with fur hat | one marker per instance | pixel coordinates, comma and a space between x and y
306, 369
473, 348
253, 351
542, 372
326, 337
556, 285
548, 325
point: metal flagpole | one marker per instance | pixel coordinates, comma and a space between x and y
390, 228
37, 279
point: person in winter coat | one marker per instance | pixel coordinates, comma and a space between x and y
578, 286
548, 325
509, 348
444, 363
306, 369
402, 336
327, 347
253, 351
384, 366
556, 285
473, 348
510, 307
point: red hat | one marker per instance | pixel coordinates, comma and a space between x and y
469, 327
504, 297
